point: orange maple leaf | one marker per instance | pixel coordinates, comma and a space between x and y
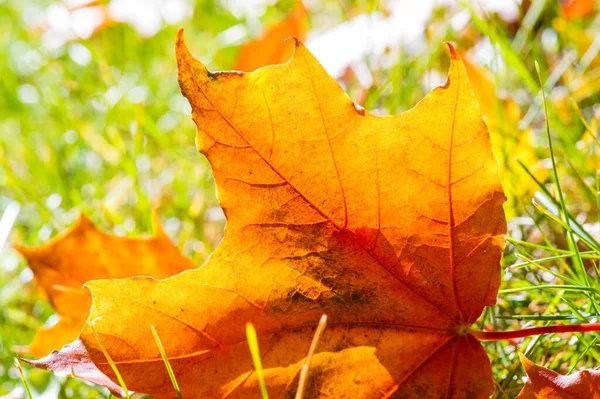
547, 384
270, 47
576, 9
83, 253
392, 226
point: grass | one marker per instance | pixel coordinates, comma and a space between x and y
112, 364
563, 214
23, 378
256, 360
165, 358
98, 125
306, 366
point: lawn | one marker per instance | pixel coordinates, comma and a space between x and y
93, 121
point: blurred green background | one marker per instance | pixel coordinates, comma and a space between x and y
92, 120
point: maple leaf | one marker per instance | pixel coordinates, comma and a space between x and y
392, 226
577, 9
84, 253
493, 109
543, 383
508, 140
271, 47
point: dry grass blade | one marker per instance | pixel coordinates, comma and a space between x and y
22, 373
306, 365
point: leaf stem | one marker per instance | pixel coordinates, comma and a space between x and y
526, 332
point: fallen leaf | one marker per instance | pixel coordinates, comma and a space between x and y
271, 47
576, 9
55, 336
84, 253
392, 226
484, 86
79, 364
544, 383
509, 141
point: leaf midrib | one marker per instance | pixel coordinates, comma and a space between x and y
312, 205
452, 333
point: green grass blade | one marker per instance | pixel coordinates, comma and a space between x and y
587, 126
584, 255
582, 354
163, 354
529, 262
550, 208
112, 364
500, 390
255, 353
501, 39
535, 317
516, 366
580, 316
530, 19
538, 246
550, 287
547, 206
22, 373
581, 180
576, 227
570, 239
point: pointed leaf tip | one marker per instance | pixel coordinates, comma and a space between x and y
157, 227
181, 50
454, 56
294, 38
524, 361
453, 53
297, 44
73, 360
23, 251
271, 46
85, 222
546, 383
